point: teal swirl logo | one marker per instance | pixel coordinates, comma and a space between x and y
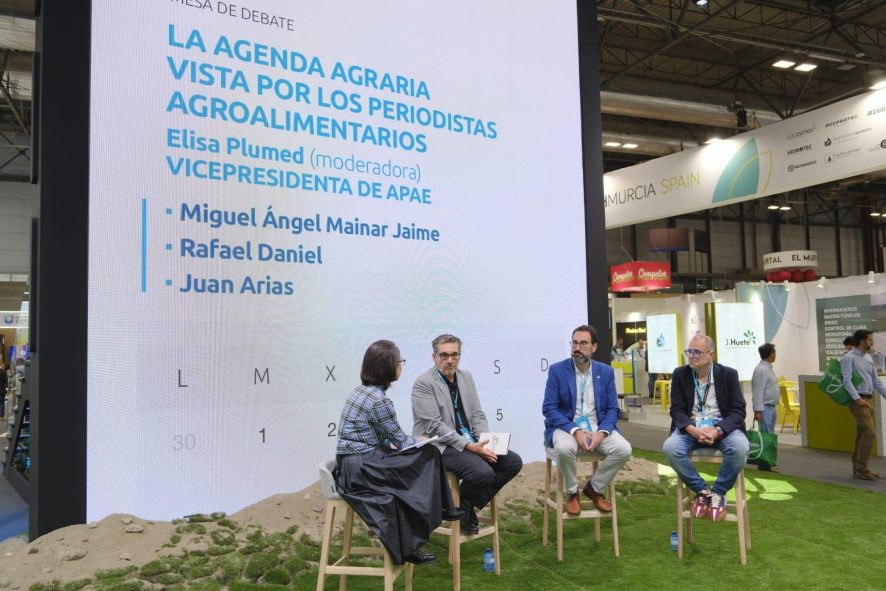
742, 175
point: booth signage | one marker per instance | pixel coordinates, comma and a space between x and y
640, 276
790, 259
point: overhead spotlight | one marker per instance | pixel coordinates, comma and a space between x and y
784, 64
871, 277
875, 214
805, 67
629, 146
785, 208
774, 206
612, 144
701, 2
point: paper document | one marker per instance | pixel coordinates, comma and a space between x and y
426, 441
498, 442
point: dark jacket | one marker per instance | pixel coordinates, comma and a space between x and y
730, 399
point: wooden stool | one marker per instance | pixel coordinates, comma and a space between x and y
739, 509
334, 502
559, 506
488, 527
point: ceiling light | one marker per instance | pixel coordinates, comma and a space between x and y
783, 64
713, 140
772, 207
785, 208
701, 2
612, 144
806, 67
875, 214
629, 146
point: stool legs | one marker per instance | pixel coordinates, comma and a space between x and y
684, 518
545, 509
489, 526
557, 504
389, 571
324, 547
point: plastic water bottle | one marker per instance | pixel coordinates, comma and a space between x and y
489, 561
674, 541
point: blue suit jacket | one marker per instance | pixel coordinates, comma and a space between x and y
560, 398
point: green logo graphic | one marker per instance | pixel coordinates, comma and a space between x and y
749, 334
741, 175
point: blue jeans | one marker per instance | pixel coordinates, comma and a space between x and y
768, 424
734, 447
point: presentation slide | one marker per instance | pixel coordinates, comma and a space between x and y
274, 185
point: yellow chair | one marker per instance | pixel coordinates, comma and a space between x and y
789, 407
736, 512
457, 537
342, 567
662, 388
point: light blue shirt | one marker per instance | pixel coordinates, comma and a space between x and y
857, 361
764, 386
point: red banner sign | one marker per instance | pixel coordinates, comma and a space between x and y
640, 276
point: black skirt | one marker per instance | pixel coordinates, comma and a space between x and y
400, 495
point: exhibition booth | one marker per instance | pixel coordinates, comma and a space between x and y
806, 322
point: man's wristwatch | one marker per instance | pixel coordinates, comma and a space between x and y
719, 432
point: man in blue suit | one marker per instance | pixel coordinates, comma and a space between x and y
581, 409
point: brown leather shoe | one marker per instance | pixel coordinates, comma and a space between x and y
865, 474
599, 500
573, 504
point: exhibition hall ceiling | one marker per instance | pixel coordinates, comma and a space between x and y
673, 75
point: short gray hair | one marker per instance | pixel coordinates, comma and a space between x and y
708, 341
444, 339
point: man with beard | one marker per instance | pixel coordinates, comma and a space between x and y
581, 409
445, 403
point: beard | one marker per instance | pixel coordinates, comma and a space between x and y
580, 358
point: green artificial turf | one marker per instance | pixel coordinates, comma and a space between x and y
805, 535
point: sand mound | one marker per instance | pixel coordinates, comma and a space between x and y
79, 551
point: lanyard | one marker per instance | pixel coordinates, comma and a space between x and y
584, 382
698, 390
458, 417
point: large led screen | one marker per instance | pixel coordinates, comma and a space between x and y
274, 185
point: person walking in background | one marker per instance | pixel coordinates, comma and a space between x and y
765, 392
862, 407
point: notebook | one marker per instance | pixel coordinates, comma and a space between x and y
498, 442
